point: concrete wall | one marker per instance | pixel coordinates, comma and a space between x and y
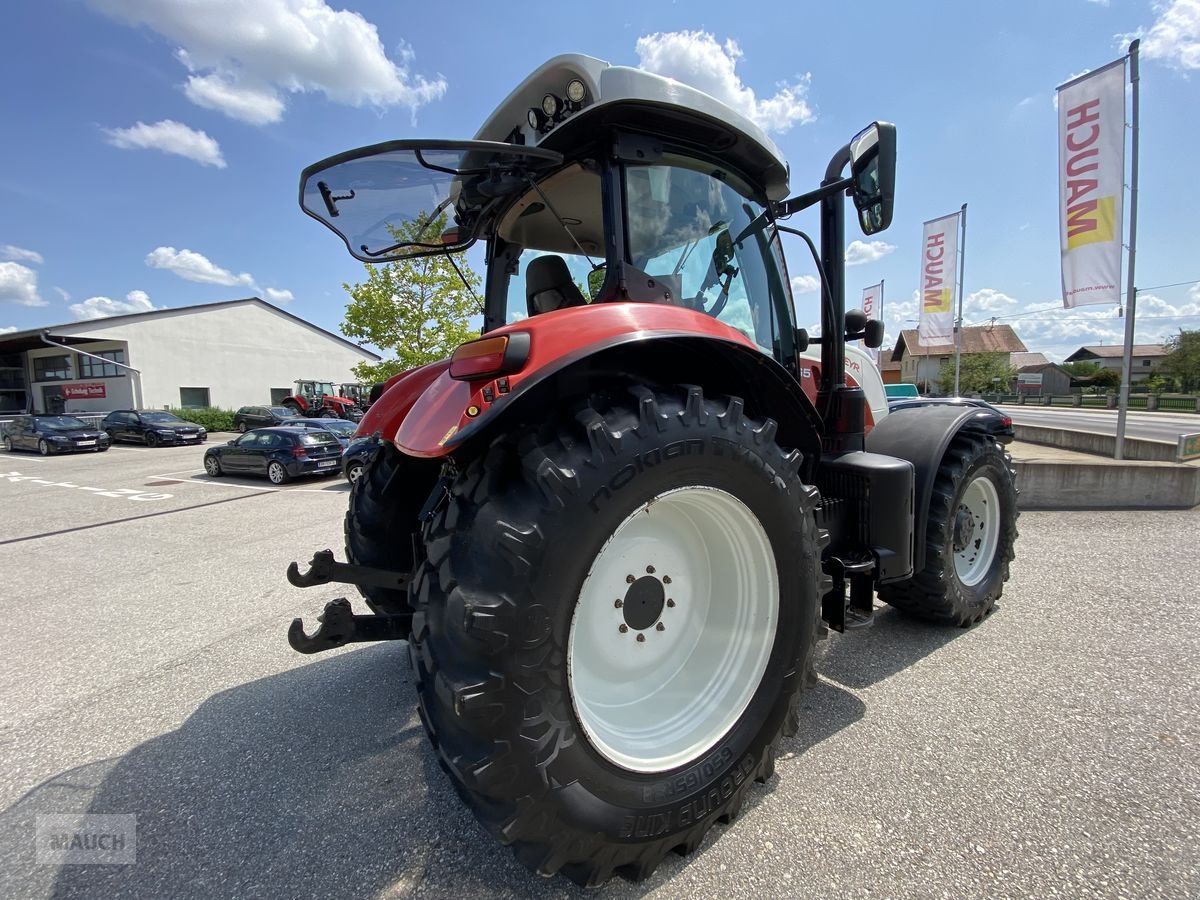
1099, 444
238, 352
1107, 485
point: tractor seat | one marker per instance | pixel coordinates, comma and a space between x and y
549, 286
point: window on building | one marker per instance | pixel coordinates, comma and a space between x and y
51, 368
94, 368
1145, 362
193, 397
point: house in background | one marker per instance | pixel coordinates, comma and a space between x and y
1146, 358
921, 365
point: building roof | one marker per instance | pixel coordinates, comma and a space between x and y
31, 337
1115, 351
1042, 367
975, 339
1027, 361
887, 364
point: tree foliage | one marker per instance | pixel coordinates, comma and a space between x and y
418, 309
978, 373
1082, 369
1107, 378
1182, 362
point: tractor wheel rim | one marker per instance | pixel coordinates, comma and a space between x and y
673, 629
975, 548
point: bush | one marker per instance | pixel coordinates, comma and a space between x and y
210, 418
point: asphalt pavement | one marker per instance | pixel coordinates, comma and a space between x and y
1050, 751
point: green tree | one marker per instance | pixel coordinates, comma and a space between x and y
978, 373
1182, 362
418, 309
1082, 369
1107, 378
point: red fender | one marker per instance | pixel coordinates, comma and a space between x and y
433, 423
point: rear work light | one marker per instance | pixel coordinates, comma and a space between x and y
490, 356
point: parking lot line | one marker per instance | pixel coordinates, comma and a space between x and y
199, 476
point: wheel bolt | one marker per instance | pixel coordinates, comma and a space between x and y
641, 639
629, 579
670, 602
666, 579
649, 570
622, 628
618, 603
660, 627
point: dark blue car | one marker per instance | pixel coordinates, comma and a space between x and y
343, 428
280, 454
356, 456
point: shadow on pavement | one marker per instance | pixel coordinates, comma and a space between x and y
319, 781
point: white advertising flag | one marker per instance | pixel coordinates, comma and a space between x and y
1091, 178
939, 273
871, 300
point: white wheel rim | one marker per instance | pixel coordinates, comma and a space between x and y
355, 472
975, 530
653, 698
211, 465
275, 472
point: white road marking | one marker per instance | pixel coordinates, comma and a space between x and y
199, 476
120, 493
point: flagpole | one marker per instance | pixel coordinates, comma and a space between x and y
962, 267
1130, 290
878, 356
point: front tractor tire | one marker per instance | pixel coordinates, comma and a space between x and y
969, 536
613, 619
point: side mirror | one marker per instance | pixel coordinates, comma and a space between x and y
873, 334
873, 169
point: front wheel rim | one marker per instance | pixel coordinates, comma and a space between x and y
673, 629
354, 473
212, 467
976, 530
43, 448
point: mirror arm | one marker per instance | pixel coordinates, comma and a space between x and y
804, 201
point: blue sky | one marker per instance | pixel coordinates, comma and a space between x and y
152, 149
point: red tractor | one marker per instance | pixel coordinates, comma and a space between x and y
321, 399
613, 528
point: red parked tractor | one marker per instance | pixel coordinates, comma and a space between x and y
611, 528
321, 399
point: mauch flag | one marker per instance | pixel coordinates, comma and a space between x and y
939, 268
870, 307
1091, 178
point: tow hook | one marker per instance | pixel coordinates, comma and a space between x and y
323, 569
339, 626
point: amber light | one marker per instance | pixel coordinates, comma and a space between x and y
488, 357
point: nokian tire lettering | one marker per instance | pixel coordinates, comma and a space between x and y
495, 597
937, 593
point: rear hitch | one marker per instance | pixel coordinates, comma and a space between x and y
323, 568
339, 626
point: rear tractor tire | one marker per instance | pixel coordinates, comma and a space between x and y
969, 536
614, 618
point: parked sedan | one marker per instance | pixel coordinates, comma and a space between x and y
249, 417
280, 454
999, 424
151, 427
356, 456
54, 434
342, 428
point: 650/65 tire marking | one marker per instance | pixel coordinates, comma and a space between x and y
126, 493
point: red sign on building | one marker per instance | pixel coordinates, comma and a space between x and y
91, 391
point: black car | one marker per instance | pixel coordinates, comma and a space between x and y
152, 427
54, 434
281, 454
356, 456
249, 417
342, 428
998, 424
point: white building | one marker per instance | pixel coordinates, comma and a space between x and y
231, 354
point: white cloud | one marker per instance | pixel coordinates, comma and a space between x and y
244, 57
695, 58
102, 307
66, 297
862, 252
169, 136
8, 329
805, 284
256, 105
1175, 35
18, 284
20, 254
278, 296
192, 266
